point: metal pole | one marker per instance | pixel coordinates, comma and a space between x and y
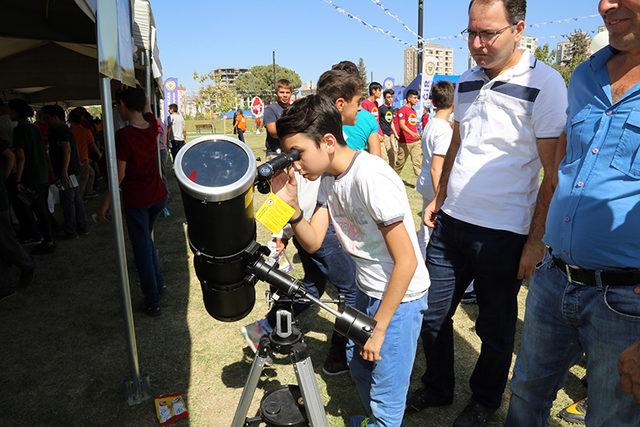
137, 387
420, 34
274, 71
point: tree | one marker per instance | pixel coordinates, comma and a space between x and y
362, 69
579, 43
214, 97
258, 81
546, 54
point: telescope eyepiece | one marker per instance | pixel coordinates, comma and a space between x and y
278, 163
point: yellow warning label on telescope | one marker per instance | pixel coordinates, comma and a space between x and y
275, 213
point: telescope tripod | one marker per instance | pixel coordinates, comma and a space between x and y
288, 405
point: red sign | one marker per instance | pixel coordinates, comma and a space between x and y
257, 106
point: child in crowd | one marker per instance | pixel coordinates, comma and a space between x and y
409, 143
436, 139
366, 203
144, 192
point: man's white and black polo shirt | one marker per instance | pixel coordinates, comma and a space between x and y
495, 178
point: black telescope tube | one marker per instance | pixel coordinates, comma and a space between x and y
350, 323
270, 167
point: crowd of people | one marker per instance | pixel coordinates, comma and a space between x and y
488, 220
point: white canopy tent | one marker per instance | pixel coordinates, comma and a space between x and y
69, 51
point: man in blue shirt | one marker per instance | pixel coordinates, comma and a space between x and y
585, 295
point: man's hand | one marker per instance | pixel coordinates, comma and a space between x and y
430, 213
371, 349
532, 254
629, 368
284, 185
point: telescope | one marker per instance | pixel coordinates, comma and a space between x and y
217, 174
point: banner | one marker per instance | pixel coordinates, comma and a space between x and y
428, 73
170, 95
388, 83
115, 47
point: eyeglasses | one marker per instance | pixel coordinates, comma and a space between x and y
486, 36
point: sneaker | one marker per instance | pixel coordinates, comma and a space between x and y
575, 413
34, 240
152, 310
474, 415
356, 421
6, 292
422, 399
335, 363
469, 298
44, 248
252, 333
26, 277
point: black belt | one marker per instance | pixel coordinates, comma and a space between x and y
580, 276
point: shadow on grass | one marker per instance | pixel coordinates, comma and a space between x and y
64, 354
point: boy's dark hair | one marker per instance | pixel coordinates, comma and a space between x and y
388, 92
373, 86
173, 107
53, 111
76, 115
133, 98
240, 110
283, 83
516, 10
22, 109
411, 92
442, 94
336, 84
314, 116
347, 66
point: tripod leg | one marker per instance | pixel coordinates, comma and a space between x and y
310, 392
250, 385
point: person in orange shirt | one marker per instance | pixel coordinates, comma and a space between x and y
85, 142
240, 125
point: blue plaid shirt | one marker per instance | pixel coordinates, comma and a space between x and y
594, 218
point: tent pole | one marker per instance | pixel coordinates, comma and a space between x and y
138, 385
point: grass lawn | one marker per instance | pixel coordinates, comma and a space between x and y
64, 356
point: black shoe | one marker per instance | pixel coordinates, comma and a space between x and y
26, 277
44, 248
422, 399
335, 363
575, 413
474, 415
469, 298
32, 240
152, 310
6, 292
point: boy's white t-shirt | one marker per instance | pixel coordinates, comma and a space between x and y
367, 195
436, 139
177, 126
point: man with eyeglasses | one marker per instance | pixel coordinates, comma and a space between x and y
585, 296
489, 211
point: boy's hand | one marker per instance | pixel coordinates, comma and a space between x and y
284, 185
430, 213
371, 349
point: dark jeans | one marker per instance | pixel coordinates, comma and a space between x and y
11, 252
38, 210
75, 218
329, 264
458, 253
175, 147
241, 135
139, 227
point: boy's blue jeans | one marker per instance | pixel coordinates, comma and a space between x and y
383, 385
562, 321
140, 223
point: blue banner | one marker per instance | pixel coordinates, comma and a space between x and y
170, 95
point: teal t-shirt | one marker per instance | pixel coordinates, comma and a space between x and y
358, 134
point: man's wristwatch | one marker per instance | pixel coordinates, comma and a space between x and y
296, 219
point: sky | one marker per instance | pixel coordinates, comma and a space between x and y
309, 35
